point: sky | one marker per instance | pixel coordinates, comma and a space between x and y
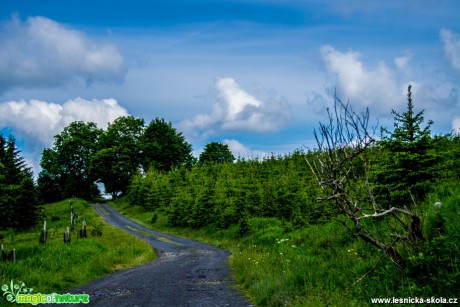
256, 75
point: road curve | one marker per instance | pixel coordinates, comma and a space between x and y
186, 273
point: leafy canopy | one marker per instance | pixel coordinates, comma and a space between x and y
67, 165
118, 156
164, 148
216, 152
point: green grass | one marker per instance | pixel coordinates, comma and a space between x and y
56, 266
316, 265
275, 267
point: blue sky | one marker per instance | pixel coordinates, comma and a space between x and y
254, 74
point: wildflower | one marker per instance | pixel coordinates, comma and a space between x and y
293, 246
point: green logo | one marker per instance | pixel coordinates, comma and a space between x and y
20, 294
13, 290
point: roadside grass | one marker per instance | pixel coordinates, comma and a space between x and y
57, 266
273, 266
316, 265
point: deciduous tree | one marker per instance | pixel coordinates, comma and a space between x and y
164, 148
118, 156
68, 162
216, 152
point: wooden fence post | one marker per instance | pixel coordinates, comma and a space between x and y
43, 234
67, 236
4, 255
84, 228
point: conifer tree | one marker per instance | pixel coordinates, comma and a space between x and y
18, 196
408, 165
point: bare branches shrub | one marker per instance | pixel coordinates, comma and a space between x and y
343, 168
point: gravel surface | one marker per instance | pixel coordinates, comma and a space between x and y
186, 273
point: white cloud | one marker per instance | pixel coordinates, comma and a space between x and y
403, 61
451, 42
38, 121
41, 52
374, 87
237, 110
239, 150
456, 124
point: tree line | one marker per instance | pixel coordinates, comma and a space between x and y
84, 155
153, 164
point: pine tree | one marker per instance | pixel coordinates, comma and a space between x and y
408, 162
18, 196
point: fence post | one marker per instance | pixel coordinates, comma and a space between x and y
43, 234
67, 236
84, 228
4, 256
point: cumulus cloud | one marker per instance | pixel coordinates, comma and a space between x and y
451, 42
41, 52
38, 121
237, 110
239, 150
456, 124
374, 87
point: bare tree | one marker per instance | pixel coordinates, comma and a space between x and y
342, 166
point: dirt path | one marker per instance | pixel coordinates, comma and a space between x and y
186, 273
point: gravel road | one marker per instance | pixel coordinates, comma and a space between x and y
186, 273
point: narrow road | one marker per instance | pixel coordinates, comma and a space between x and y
186, 273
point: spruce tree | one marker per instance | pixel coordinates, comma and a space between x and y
18, 196
408, 162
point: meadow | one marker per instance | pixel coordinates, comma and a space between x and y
56, 266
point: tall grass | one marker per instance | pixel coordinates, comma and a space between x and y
55, 266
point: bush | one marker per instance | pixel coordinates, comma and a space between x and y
154, 218
97, 231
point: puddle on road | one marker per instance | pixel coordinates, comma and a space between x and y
171, 256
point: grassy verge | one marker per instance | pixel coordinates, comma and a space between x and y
275, 266
56, 266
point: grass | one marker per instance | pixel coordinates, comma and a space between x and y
56, 266
276, 267
316, 265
